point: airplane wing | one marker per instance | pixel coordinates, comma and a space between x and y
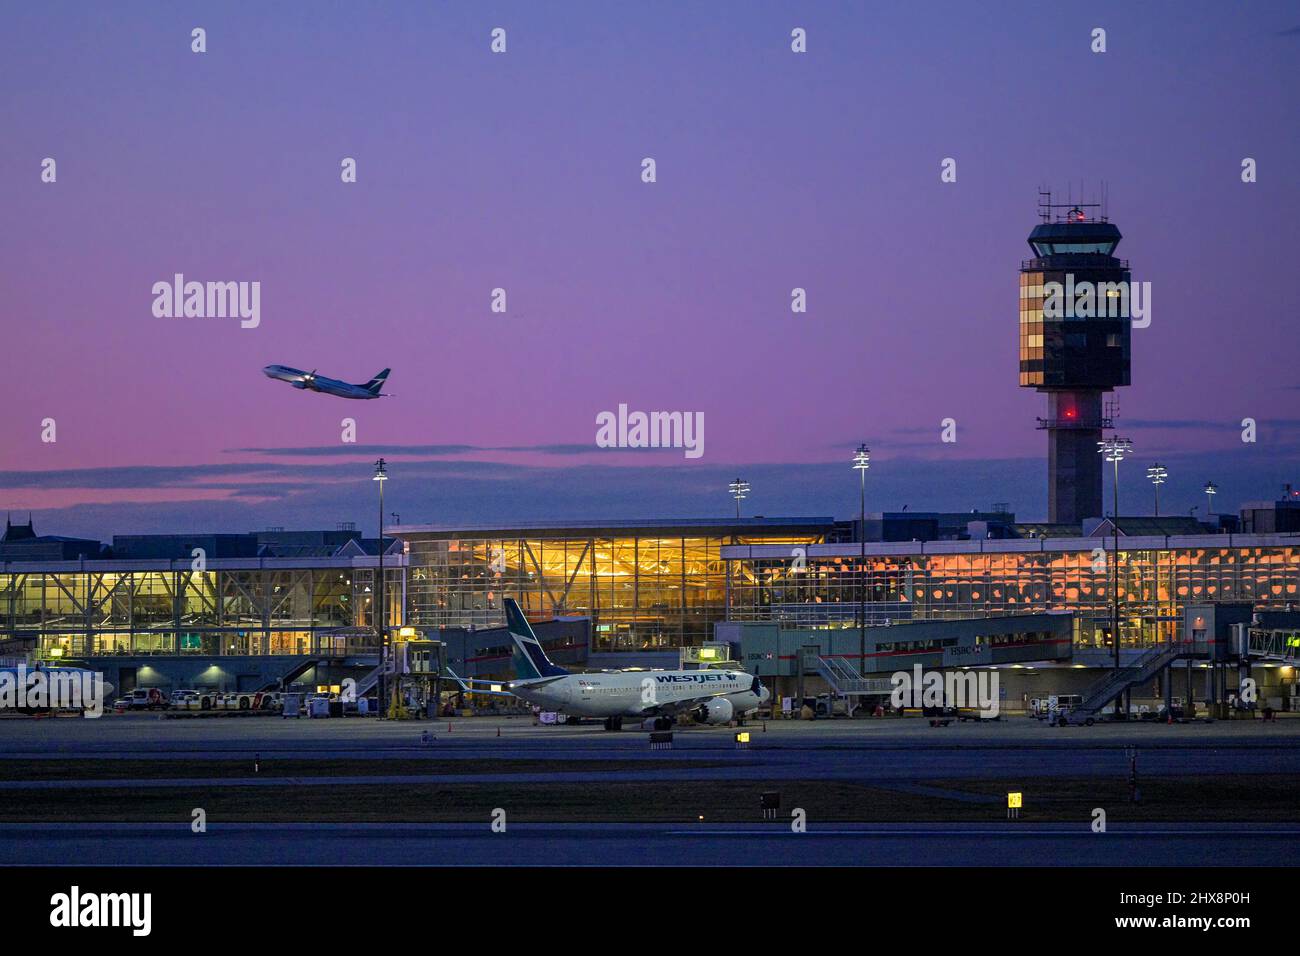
466, 682
677, 706
540, 682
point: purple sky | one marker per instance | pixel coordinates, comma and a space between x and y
522, 170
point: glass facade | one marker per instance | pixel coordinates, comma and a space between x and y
1155, 583
261, 608
644, 587
1066, 351
1031, 328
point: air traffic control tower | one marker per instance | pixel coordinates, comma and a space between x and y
1074, 346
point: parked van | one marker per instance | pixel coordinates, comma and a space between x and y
142, 698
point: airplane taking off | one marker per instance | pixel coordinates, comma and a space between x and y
330, 386
711, 696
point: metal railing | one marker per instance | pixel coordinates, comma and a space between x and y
847, 681
1275, 645
1075, 423
1084, 260
1115, 682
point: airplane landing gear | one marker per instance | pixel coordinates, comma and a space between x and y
613, 723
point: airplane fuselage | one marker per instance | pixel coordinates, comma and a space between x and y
312, 382
638, 693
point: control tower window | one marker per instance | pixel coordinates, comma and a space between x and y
1055, 248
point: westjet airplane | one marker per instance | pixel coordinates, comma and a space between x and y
711, 696
330, 386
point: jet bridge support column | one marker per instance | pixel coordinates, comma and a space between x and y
1241, 647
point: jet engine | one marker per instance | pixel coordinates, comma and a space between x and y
715, 711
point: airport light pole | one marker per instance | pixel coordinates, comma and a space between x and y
1115, 449
739, 490
1211, 489
1157, 474
861, 462
381, 476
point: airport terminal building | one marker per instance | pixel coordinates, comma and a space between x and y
277, 607
646, 586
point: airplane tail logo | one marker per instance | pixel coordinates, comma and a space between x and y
375, 384
529, 658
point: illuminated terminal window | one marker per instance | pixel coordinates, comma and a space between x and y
655, 586
1154, 587
255, 610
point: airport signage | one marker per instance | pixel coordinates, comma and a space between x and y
971, 654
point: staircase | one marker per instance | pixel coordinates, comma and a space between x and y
367, 682
846, 681
1145, 667
300, 667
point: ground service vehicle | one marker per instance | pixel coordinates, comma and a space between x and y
1069, 716
142, 698
193, 700
939, 716
241, 700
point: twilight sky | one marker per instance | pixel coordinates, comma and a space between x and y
522, 171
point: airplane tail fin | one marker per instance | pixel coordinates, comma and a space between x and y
375, 384
529, 658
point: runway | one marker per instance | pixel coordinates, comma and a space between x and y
905, 757
639, 845
861, 750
